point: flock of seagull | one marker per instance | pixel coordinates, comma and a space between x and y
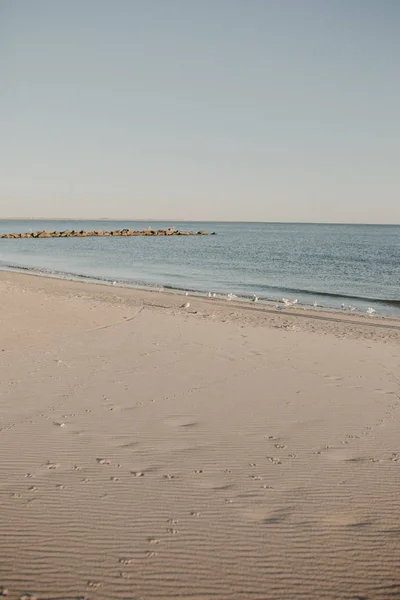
286, 302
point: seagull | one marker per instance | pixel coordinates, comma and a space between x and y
214, 295
114, 283
231, 296
288, 302
315, 304
342, 306
187, 294
209, 294
255, 298
370, 310
352, 308
187, 305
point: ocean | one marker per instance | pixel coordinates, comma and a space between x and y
331, 265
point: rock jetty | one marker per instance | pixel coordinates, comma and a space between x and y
100, 233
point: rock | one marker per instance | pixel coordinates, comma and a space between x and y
101, 233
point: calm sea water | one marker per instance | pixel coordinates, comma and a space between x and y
327, 264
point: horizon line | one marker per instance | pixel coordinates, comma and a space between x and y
111, 219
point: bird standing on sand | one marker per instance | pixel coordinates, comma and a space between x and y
231, 296
255, 298
288, 302
370, 310
187, 305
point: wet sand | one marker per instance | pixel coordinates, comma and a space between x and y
150, 451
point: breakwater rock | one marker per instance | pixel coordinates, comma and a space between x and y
100, 233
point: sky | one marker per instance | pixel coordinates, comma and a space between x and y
242, 110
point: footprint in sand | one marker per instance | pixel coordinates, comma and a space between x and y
153, 541
255, 477
51, 466
172, 531
151, 554
137, 473
169, 476
280, 446
114, 478
103, 461
274, 460
126, 561
123, 575
195, 514
198, 471
172, 521
93, 585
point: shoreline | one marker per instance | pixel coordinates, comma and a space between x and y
242, 299
260, 314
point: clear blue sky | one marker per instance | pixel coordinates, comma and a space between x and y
281, 110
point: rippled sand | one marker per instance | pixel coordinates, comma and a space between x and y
150, 451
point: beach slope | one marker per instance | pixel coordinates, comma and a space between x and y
150, 451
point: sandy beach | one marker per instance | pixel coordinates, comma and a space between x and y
219, 451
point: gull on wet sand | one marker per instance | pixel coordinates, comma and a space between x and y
288, 302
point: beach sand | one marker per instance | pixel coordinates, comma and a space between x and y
218, 451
